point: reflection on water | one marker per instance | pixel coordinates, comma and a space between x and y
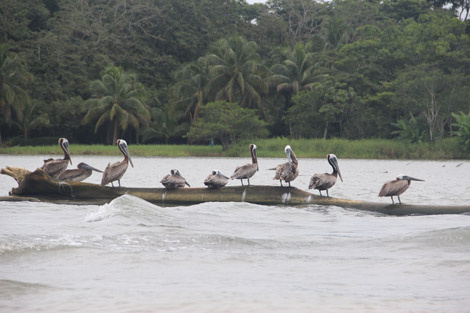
446, 182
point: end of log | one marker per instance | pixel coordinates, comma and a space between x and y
18, 173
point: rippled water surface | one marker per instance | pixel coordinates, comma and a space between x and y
133, 256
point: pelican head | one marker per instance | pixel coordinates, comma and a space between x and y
406, 177
64, 144
85, 166
254, 157
176, 172
288, 151
122, 144
217, 172
333, 160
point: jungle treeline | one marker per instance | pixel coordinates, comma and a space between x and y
221, 71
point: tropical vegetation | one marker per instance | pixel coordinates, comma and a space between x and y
157, 71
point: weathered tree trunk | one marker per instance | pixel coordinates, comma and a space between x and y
37, 186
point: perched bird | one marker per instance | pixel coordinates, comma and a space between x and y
174, 180
82, 172
116, 170
287, 171
397, 187
326, 181
55, 167
216, 180
248, 170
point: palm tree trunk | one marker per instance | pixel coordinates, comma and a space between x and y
116, 132
26, 137
325, 130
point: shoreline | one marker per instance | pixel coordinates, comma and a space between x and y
446, 149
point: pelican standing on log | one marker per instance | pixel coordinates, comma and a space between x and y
248, 170
82, 172
116, 170
55, 167
174, 180
397, 187
287, 171
216, 180
326, 181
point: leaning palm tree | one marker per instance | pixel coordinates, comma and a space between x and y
117, 103
13, 74
236, 72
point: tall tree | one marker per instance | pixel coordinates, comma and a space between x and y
236, 72
13, 75
117, 103
295, 72
191, 87
30, 120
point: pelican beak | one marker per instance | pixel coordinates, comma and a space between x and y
289, 156
412, 178
88, 167
95, 169
335, 164
125, 150
223, 175
67, 152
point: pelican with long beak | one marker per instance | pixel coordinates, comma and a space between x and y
55, 167
288, 171
397, 187
116, 170
326, 181
82, 172
174, 180
216, 180
248, 170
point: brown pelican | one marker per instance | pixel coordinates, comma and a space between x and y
326, 181
55, 167
216, 180
248, 170
82, 172
116, 170
397, 187
174, 180
290, 170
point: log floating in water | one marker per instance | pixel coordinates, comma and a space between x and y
37, 186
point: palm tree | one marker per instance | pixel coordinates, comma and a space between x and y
28, 121
236, 72
13, 74
117, 103
191, 87
334, 33
294, 73
166, 124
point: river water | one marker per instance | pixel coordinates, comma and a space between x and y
133, 256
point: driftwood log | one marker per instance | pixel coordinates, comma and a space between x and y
38, 186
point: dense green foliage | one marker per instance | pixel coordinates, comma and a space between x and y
144, 70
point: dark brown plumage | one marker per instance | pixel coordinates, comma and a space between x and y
216, 180
326, 181
116, 170
174, 180
82, 172
397, 187
55, 167
287, 171
248, 170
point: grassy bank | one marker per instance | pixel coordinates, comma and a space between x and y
304, 148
